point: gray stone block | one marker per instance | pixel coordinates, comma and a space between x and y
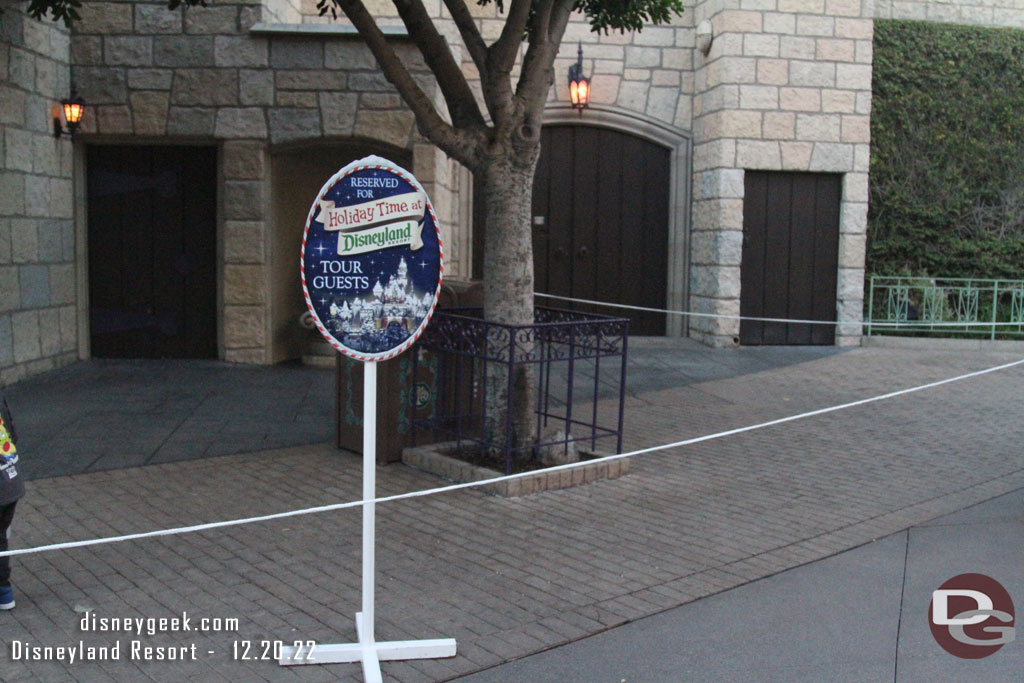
243, 200
210, 87
37, 196
21, 68
60, 43
5, 240
12, 192
49, 332
100, 85
105, 17
62, 284
294, 124
68, 328
149, 79
149, 112
51, 240
62, 204
296, 54
87, 50
301, 80
24, 240
10, 293
156, 19
211, 19
18, 147
255, 87
240, 51
6, 341
46, 78
38, 110
35, 286
12, 28
12, 106
68, 240
385, 101
246, 122
191, 121
181, 51
369, 82
45, 155
128, 50
25, 328
832, 157
338, 111
349, 55
243, 242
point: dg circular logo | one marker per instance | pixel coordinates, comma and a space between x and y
971, 616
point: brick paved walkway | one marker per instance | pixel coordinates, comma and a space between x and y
511, 577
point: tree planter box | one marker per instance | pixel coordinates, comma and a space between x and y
432, 459
574, 401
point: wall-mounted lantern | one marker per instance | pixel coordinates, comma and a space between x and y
579, 85
73, 108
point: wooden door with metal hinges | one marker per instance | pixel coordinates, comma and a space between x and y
790, 256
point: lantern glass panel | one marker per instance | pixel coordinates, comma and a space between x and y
72, 112
583, 92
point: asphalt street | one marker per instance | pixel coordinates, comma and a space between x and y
861, 615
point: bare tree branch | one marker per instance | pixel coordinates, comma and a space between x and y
470, 34
502, 54
461, 145
461, 102
538, 73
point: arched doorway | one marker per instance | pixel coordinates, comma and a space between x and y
297, 174
600, 220
627, 137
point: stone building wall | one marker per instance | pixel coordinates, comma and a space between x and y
213, 76
648, 72
38, 329
1006, 13
786, 86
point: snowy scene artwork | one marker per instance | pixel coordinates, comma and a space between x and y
371, 259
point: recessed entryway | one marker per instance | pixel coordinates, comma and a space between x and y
152, 240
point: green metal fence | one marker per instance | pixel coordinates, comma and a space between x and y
947, 307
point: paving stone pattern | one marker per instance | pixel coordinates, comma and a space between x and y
509, 577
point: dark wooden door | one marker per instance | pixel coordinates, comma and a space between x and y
152, 251
790, 256
600, 221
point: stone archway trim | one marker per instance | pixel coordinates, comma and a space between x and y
680, 145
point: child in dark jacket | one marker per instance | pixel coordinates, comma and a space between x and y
12, 488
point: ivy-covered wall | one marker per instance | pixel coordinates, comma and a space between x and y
947, 151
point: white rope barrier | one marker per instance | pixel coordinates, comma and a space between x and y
484, 482
907, 324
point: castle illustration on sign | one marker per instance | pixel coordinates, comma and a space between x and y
383, 320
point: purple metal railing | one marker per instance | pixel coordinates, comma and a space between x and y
565, 350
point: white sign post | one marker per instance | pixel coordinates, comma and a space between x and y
371, 220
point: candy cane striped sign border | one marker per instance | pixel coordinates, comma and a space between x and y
375, 163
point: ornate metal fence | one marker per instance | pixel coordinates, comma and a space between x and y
573, 358
946, 306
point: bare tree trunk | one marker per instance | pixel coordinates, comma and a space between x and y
509, 285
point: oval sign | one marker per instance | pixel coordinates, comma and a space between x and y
371, 260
